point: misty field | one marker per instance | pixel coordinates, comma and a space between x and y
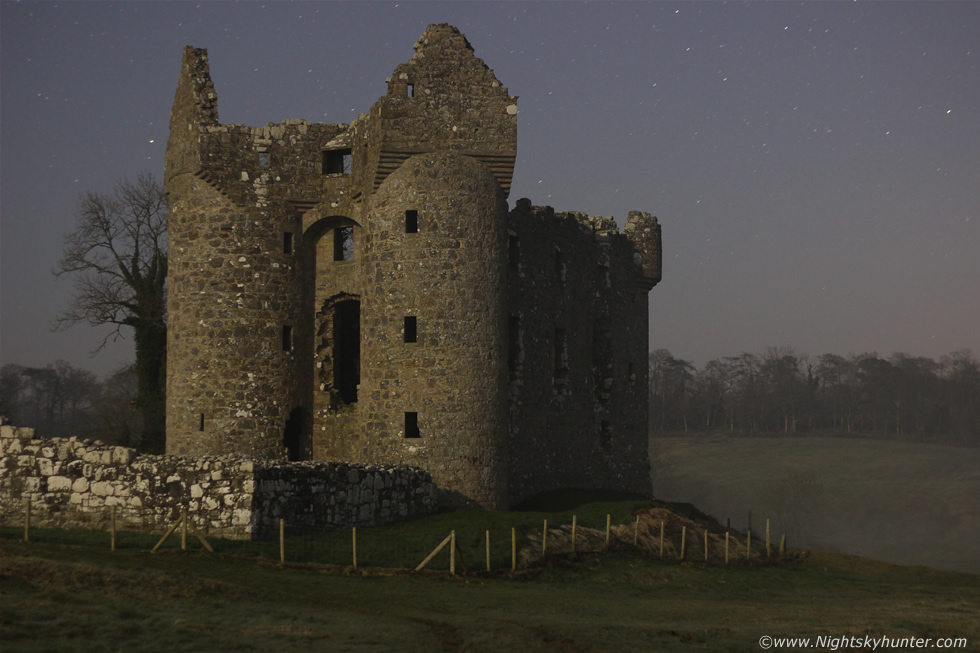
902, 502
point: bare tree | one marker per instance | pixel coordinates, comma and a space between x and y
117, 259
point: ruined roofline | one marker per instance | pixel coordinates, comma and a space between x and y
597, 224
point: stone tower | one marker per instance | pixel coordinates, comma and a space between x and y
353, 291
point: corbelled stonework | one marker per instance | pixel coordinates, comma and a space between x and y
361, 292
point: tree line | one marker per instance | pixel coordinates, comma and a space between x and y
61, 401
782, 391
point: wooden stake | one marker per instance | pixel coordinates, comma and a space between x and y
200, 537
661, 539
706, 545
282, 541
574, 524
608, 522
27, 519
170, 531
726, 547
488, 551
452, 552
353, 543
748, 545
683, 540
782, 545
183, 530
768, 548
636, 530
513, 549
112, 528
434, 553
544, 538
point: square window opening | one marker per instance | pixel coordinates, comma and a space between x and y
411, 222
411, 330
412, 425
337, 162
263, 159
287, 337
411, 90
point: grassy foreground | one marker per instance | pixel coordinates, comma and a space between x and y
63, 597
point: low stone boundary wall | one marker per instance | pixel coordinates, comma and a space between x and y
73, 483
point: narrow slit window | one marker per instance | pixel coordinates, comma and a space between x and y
287, 337
287, 242
412, 425
200, 426
605, 435
263, 159
513, 251
411, 328
411, 222
336, 162
411, 90
343, 244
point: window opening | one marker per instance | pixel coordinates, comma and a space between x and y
343, 244
263, 159
346, 351
337, 162
513, 251
287, 242
411, 331
411, 90
287, 337
296, 435
605, 434
201, 426
411, 222
412, 425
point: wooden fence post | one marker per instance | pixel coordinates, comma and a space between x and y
574, 524
706, 545
488, 551
636, 530
608, 523
513, 549
112, 528
353, 542
768, 547
452, 552
748, 545
782, 545
183, 530
661, 539
282, 541
544, 538
683, 540
726, 547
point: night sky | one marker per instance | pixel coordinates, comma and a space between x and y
815, 166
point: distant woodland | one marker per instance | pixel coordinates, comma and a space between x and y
782, 391
779, 391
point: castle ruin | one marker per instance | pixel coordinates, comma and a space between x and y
361, 292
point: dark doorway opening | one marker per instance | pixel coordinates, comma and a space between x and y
296, 435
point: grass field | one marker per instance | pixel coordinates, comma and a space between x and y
62, 598
68, 592
904, 502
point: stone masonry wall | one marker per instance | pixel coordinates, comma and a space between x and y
73, 483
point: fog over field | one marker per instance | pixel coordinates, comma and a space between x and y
904, 502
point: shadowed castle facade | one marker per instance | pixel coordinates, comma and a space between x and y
361, 292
